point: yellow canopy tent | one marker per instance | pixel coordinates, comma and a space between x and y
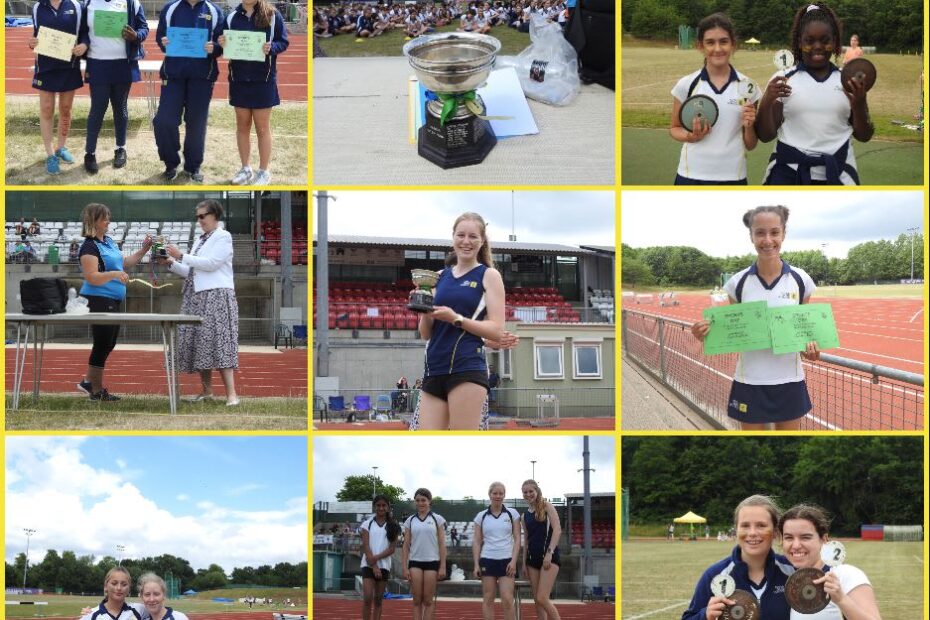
752, 41
690, 518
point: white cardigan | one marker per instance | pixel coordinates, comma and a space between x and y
212, 265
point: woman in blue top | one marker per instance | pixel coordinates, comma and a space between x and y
112, 67
469, 306
253, 86
105, 278
752, 565
542, 531
52, 75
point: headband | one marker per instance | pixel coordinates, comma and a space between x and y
812, 7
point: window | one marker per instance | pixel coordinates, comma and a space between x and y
547, 355
504, 363
586, 357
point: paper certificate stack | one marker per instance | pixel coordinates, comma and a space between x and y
753, 325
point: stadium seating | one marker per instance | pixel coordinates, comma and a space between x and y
602, 534
270, 242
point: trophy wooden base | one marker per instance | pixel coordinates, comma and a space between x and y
462, 141
421, 302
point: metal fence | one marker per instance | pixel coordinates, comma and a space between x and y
519, 403
847, 394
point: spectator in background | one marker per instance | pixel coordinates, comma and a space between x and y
34, 228
365, 24
22, 229
454, 534
73, 250
853, 51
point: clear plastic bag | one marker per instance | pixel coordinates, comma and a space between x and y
548, 68
76, 304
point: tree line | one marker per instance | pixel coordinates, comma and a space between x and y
868, 262
889, 26
859, 480
72, 573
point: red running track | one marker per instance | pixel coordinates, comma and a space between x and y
279, 374
887, 332
339, 609
565, 424
231, 615
292, 68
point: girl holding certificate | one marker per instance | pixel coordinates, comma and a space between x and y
253, 86
112, 66
768, 388
53, 76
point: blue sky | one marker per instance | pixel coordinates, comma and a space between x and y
234, 501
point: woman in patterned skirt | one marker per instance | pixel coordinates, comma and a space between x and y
209, 293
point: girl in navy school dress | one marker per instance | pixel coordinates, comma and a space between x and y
53, 76
468, 307
768, 388
112, 67
814, 115
253, 86
715, 156
541, 530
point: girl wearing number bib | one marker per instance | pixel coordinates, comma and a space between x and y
804, 529
768, 388
53, 75
752, 566
716, 156
253, 86
112, 67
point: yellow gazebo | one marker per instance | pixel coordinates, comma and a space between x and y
752, 41
690, 518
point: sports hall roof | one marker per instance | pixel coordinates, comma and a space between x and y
445, 244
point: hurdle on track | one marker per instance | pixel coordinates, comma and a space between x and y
847, 394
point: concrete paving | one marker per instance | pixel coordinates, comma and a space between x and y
648, 405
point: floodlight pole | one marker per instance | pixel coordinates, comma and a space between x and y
533, 474
119, 554
912, 230
321, 334
586, 454
29, 532
374, 482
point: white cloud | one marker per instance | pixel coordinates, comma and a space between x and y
182, 497
73, 506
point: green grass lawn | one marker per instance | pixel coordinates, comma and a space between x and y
391, 43
25, 155
857, 291
133, 413
659, 576
70, 606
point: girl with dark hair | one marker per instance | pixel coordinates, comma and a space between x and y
804, 530
768, 388
469, 307
116, 587
753, 565
379, 539
253, 86
424, 554
542, 530
716, 156
811, 112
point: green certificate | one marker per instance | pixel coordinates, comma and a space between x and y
243, 45
737, 328
109, 24
794, 326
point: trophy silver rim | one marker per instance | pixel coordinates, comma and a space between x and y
455, 75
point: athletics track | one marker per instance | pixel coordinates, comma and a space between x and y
292, 67
449, 609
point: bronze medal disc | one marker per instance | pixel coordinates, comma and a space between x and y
746, 607
803, 594
860, 70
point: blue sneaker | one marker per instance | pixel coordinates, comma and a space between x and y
64, 155
51, 164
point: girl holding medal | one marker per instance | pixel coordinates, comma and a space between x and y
469, 307
804, 531
716, 156
768, 388
253, 86
541, 530
424, 554
752, 566
112, 67
379, 539
811, 112
53, 76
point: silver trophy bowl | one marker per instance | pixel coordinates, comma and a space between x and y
452, 62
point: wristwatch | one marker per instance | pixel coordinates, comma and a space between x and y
458, 320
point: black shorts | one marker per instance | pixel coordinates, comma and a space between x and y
535, 560
367, 573
434, 566
440, 385
493, 568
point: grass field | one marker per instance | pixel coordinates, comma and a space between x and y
659, 576
25, 155
858, 291
650, 156
133, 413
70, 606
391, 43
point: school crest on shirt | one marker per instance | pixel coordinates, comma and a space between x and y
791, 295
741, 407
469, 284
